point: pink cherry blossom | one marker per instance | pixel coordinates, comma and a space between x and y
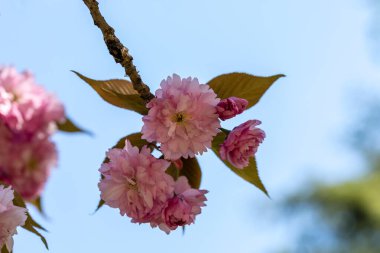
242, 143
136, 183
26, 164
26, 107
11, 217
230, 107
183, 207
182, 118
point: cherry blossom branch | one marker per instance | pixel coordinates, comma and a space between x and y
118, 50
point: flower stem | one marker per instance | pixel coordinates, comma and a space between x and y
119, 52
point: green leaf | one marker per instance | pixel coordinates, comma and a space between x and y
135, 140
4, 250
37, 203
191, 170
249, 173
172, 171
100, 204
117, 92
30, 223
242, 85
69, 127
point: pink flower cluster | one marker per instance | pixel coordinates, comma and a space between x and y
136, 183
183, 119
11, 217
28, 117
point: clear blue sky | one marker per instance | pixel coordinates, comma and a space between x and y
322, 46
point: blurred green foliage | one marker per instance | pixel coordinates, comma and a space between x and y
346, 215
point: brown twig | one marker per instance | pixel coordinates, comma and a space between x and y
118, 50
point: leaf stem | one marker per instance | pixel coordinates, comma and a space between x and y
119, 52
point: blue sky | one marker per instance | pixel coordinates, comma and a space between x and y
322, 46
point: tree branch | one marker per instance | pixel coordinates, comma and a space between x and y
118, 50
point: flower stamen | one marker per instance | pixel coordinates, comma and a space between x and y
179, 117
131, 184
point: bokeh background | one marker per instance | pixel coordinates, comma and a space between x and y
320, 151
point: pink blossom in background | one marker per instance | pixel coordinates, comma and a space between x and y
25, 107
182, 118
11, 217
136, 183
230, 107
26, 165
183, 207
242, 143
28, 117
